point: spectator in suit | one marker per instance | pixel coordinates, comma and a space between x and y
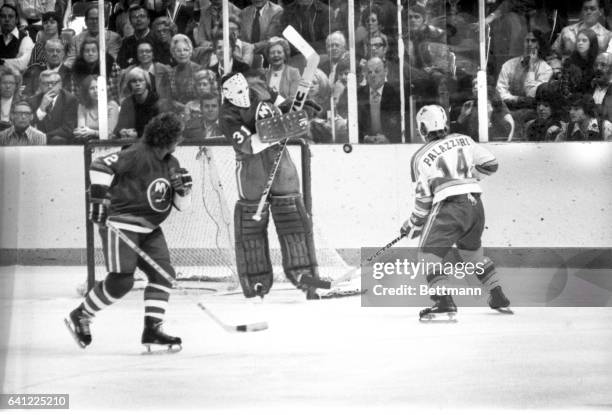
140, 21
16, 49
21, 132
310, 19
88, 127
379, 107
602, 85
9, 95
159, 73
54, 53
140, 106
56, 109
592, 11
235, 64
336, 50
281, 78
112, 39
260, 21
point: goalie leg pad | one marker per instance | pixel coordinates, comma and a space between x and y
294, 230
252, 249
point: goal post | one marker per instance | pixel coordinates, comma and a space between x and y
201, 240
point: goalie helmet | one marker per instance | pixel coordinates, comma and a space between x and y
431, 118
235, 89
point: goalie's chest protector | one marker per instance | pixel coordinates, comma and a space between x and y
141, 192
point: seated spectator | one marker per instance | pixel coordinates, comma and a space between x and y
259, 22
217, 66
310, 19
282, 78
88, 63
580, 64
182, 81
584, 124
112, 39
592, 11
556, 64
378, 107
140, 106
140, 21
87, 112
56, 109
322, 130
370, 20
501, 123
203, 121
602, 85
176, 13
159, 73
547, 125
520, 77
339, 88
211, 22
54, 56
420, 33
9, 95
52, 28
162, 31
336, 50
242, 51
16, 49
21, 132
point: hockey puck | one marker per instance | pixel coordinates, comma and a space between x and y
347, 148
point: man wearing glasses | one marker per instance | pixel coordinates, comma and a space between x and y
140, 21
56, 109
21, 133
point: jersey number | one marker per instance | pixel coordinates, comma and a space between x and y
462, 166
111, 159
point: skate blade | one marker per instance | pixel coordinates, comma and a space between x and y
70, 328
438, 318
154, 348
504, 310
339, 293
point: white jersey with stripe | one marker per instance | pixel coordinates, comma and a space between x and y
444, 168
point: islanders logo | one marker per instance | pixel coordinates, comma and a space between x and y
159, 195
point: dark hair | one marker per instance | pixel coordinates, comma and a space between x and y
89, 9
543, 48
135, 7
259, 73
163, 130
374, 9
13, 8
584, 101
218, 36
84, 97
145, 41
593, 44
89, 41
417, 9
55, 16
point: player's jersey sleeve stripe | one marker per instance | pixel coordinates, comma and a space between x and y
101, 177
488, 167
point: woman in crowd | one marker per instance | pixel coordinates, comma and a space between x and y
321, 128
372, 27
580, 64
197, 125
159, 72
182, 81
88, 63
51, 29
281, 78
10, 81
87, 113
547, 125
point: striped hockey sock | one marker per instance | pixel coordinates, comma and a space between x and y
489, 278
156, 300
97, 299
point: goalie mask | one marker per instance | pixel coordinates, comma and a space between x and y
236, 90
431, 118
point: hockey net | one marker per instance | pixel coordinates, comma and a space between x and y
201, 240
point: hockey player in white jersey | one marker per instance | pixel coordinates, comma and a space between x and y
448, 211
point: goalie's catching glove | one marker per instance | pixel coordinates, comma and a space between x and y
407, 226
181, 181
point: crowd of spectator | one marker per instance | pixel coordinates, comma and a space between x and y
549, 66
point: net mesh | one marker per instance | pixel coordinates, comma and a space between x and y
201, 240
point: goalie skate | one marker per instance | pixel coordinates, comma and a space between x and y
443, 311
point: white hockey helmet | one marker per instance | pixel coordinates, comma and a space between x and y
235, 89
431, 118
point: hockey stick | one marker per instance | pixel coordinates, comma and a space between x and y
262, 325
389, 245
312, 62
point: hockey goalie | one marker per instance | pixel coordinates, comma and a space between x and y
241, 113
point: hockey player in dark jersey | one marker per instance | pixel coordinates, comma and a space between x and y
240, 110
448, 210
134, 190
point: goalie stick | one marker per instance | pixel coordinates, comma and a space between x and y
312, 62
262, 325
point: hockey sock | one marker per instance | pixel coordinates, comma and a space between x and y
107, 292
156, 300
488, 277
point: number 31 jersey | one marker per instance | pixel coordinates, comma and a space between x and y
445, 167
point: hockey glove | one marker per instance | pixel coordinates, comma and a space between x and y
181, 181
98, 211
407, 226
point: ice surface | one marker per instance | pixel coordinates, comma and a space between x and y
322, 354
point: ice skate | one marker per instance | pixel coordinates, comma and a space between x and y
498, 301
156, 341
78, 324
443, 311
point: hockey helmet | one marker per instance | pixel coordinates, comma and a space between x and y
235, 89
431, 118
